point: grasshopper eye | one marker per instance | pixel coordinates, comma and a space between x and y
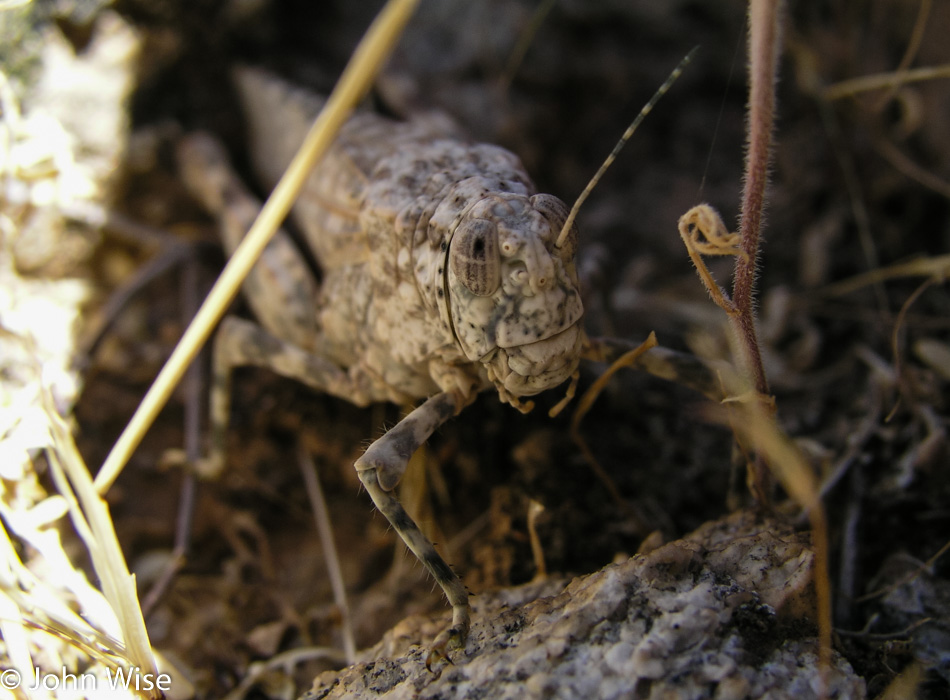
474, 257
556, 212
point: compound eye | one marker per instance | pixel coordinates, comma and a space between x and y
556, 212
474, 257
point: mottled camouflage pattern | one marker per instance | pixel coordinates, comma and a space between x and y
441, 277
380, 213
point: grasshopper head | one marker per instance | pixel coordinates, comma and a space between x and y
513, 298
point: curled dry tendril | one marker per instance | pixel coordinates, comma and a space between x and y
704, 233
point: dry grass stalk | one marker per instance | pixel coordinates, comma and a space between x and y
359, 74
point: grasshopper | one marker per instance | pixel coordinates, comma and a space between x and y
443, 276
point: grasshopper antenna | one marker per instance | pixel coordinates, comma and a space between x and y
622, 142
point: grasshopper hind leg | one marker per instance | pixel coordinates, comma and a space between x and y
380, 469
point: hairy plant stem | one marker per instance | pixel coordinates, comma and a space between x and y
764, 44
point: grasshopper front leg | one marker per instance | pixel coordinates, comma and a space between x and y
380, 469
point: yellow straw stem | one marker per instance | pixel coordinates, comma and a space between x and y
353, 84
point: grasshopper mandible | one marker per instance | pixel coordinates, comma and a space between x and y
442, 277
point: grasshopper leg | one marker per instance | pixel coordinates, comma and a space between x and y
282, 294
380, 469
239, 343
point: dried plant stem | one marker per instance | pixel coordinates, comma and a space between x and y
194, 388
763, 63
764, 45
937, 267
355, 81
321, 516
92, 520
704, 233
535, 509
882, 81
913, 47
524, 43
756, 425
628, 359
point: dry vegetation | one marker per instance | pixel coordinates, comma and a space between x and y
853, 321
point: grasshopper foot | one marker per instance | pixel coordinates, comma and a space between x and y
449, 640
453, 637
